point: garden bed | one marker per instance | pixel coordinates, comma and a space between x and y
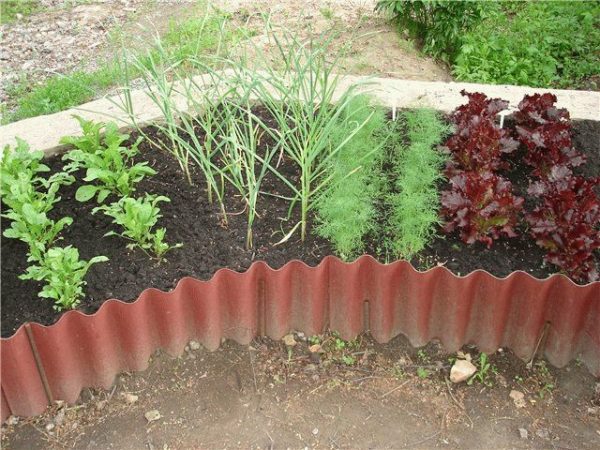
208, 245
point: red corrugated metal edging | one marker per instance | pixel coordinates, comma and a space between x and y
45, 363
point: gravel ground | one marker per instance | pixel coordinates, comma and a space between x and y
64, 35
71, 34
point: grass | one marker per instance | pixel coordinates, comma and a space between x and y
60, 92
346, 210
414, 204
10, 8
182, 41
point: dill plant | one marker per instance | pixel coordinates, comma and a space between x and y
346, 209
418, 168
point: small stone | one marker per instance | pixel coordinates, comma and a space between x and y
315, 431
59, 418
130, 399
195, 345
152, 415
187, 348
592, 411
301, 336
501, 380
523, 433
100, 405
463, 355
315, 348
310, 368
462, 370
289, 340
543, 433
12, 420
518, 398
49, 426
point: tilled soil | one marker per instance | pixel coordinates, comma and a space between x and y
209, 245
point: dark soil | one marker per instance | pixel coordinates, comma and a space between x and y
209, 245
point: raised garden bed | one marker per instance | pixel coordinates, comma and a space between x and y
209, 246
529, 311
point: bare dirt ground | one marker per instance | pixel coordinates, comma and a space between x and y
71, 34
356, 394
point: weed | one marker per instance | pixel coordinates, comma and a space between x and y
422, 356
423, 373
398, 372
484, 371
327, 12
315, 340
348, 360
440, 25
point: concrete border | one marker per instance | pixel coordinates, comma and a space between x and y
44, 132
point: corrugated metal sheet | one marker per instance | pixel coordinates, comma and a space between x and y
88, 351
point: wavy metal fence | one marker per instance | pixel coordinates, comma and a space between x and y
41, 364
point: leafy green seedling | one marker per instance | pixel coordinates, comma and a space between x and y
349, 360
423, 373
64, 273
28, 203
484, 371
137, 217
108, 164
18, 163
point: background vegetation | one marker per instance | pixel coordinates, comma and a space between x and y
536, 43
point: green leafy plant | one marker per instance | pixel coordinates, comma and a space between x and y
484, 371
346, 208
11, 8
438, 24
137, 217
19, 162
423, 373
63, 273
107, 162
349, 360
418, 168
29, 198
533, 43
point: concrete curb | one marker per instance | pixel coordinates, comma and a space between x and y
44, 132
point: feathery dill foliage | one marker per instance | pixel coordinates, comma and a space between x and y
415, 203
346, 210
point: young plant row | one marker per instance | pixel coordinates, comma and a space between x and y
220, 130
29, 197
332, 137
481, 204
110, 171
